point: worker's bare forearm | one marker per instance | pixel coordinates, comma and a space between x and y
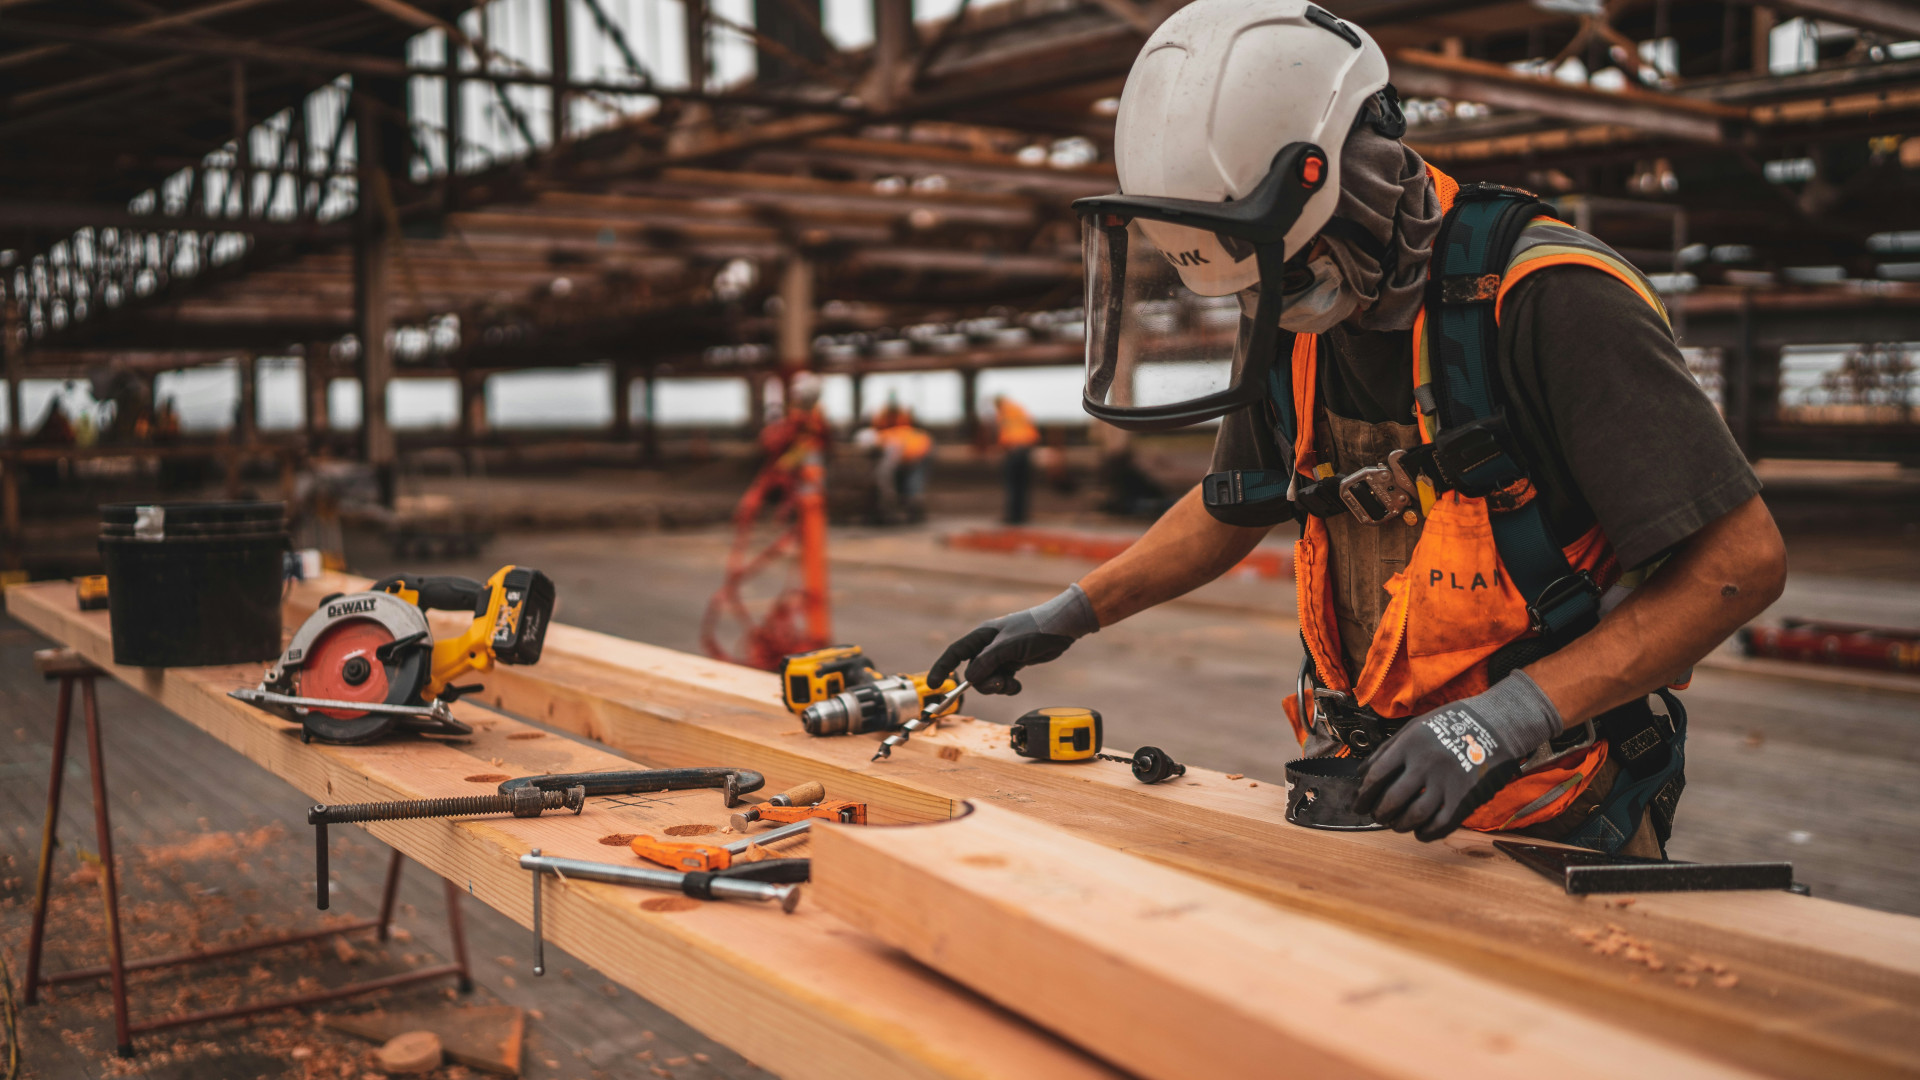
1184, 550
1724, 576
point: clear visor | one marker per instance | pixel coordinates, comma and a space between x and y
1162, 317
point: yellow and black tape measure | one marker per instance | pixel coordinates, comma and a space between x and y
1058, 733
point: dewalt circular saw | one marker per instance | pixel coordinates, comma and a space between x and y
365, 664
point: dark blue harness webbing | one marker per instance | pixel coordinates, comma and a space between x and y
1475, 241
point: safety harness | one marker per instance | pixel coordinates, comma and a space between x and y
1478, 256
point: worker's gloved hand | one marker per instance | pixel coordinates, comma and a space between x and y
999, 647
1443, 766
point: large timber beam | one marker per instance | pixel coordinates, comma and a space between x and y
1132, 961
1824, 989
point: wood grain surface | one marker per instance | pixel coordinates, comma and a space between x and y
805, 995
1822, 989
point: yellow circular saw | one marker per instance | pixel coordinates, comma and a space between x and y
365, 664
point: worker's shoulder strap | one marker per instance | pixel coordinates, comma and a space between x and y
1478, 249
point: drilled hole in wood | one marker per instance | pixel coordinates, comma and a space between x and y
487, 778
691, 830
527, 735
618, 839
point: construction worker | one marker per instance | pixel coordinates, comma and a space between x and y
1017, 436
1521, 519
906, 452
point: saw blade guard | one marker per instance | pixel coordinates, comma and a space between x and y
336, 655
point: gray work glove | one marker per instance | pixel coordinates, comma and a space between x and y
999, 647
1443, 766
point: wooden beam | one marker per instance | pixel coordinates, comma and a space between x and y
794, 345
316, 376
806, 996
14, 372
1425, 74
559, 68
325, 62
893, 43
373, 299
1891, 16
1172, 977
188, 17
1811, 971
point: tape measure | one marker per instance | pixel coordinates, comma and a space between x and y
1058, 733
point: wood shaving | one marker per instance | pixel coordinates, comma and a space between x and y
1236, 776
1686, 981
1613, 941
950, 753
1726, 982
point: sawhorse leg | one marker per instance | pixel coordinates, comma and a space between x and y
70, 669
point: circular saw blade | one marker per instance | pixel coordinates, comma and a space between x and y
342, 666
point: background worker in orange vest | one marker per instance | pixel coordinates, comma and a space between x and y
1017, 437
906, 454
1550, 424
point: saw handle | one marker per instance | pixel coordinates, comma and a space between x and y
440, 592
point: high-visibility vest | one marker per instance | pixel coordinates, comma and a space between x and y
1016, 427
912, 443
1455, 603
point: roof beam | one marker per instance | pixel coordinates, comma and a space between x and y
163, 22
1424, 74
333, 63
60, 218
1899, 17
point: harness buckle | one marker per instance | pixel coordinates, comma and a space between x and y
1386, 488
1559, 608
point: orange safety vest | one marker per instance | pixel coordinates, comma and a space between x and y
1454, 605
1016, 427
913, 443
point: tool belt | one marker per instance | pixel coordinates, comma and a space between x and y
1642, 739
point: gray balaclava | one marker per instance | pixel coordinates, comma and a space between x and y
1385, 189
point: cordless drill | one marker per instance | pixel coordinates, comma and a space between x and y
839, 691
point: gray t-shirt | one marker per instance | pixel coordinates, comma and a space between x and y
1612, 425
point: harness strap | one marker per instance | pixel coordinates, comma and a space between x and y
1476, 240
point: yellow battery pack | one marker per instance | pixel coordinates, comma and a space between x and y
806, 678
1058, 733
91, 592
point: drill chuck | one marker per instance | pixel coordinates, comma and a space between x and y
881, 705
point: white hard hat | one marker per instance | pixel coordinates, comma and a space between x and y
1218, 89
806, 388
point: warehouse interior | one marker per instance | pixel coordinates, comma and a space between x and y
535, 281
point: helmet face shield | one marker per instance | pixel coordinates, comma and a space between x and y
1152, 343
1167, 345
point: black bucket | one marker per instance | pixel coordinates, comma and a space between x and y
193, 584
1321, 792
